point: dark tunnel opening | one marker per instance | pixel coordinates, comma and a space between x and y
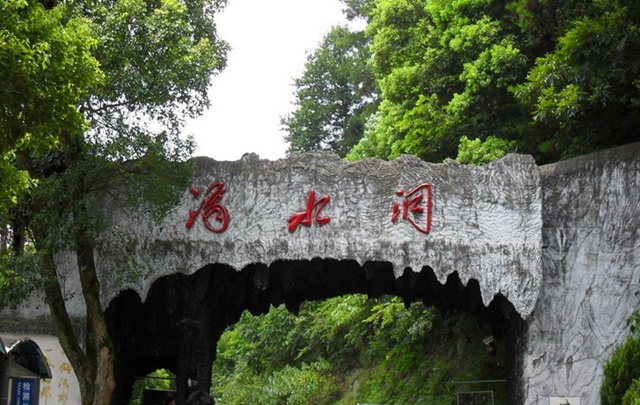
182, 318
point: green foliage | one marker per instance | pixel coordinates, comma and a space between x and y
126, 74
14, 184
334, 96
632, 395
634, 320
48, 66
357, 9
560, 78
259, 361
91, 110
165, 54
158, 380
19, 278
101, 91
444, 69
621, 380
304, 384
586, 92
620, 371
307, 383
347, 350
478, 152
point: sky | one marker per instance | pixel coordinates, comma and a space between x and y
269, 42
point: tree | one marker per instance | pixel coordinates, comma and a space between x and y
334, 96
126, 74
560, 78
632, 395
621, 376
160, 379
48, 67
444, 70
585, 93
357, 9
41, 54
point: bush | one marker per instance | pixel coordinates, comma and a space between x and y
632, 396
620, 372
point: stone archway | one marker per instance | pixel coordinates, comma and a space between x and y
559, 243
288, 224
179, 324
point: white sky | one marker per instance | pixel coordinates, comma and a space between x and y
269, 41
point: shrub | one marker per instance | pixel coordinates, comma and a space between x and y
620, 372
632, 396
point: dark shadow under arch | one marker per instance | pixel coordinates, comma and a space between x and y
180, 322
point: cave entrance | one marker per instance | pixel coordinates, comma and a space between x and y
183, 317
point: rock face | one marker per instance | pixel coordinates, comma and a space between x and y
591, 217
252, 233
560, 243
485, 222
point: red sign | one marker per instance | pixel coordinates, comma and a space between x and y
215, 216
417, 204
314, 208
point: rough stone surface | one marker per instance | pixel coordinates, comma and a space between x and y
486, 225
485, 235
559, 242
591, 216
486, 222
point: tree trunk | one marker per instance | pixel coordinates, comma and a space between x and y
99, 345
99, 348
93, 366
68, 340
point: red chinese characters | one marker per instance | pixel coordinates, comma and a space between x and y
314, 208
417, 205
215, 216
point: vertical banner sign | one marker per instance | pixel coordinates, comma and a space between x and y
24, 391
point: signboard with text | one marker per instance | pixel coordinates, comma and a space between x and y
482, 222
24, 391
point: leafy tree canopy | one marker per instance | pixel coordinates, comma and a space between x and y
559, 78
478, 152
334, 96
632, 395
91, 110
48, 66
585, 94
357, 9
622, 368
621, 376
444, 69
